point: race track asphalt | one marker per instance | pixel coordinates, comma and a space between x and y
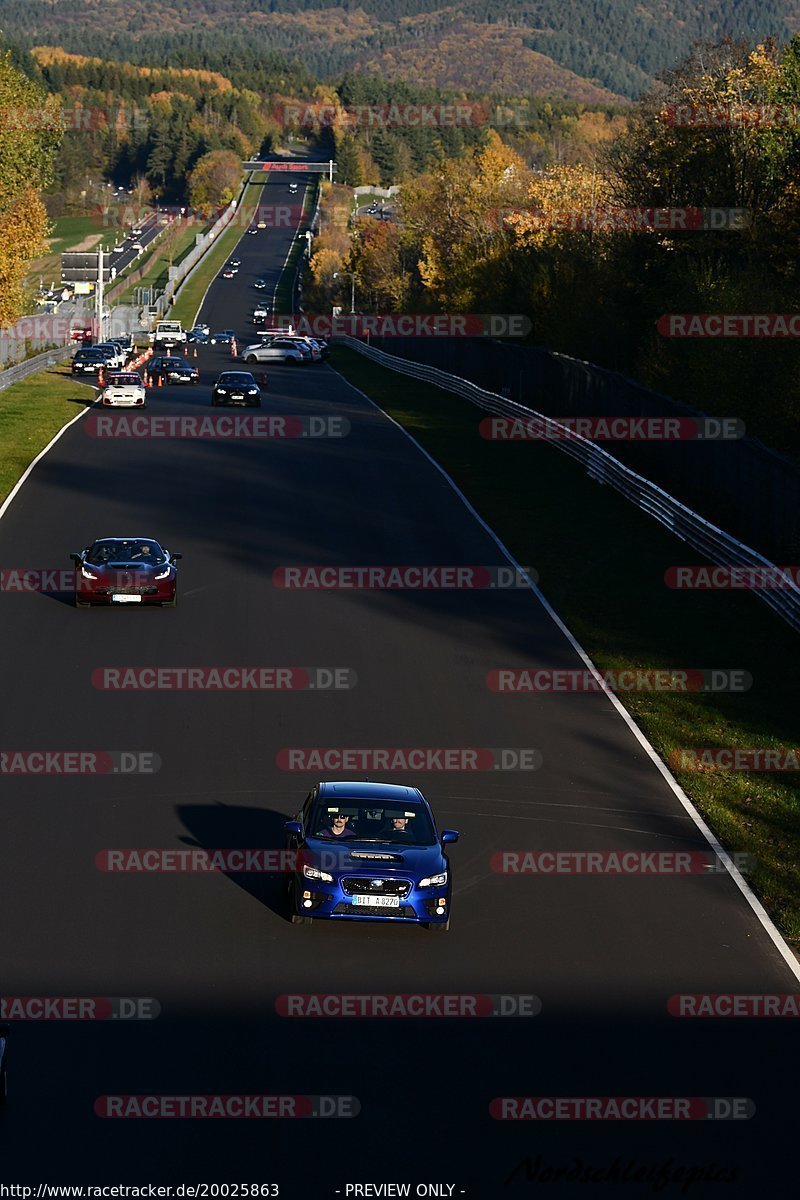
602, 953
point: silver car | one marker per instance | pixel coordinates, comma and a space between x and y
277, 350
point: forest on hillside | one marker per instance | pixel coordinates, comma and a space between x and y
589, 50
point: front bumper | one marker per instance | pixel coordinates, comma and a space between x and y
337, 901
239, 401
148, 593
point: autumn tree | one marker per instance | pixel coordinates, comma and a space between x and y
214, 181
31, 128
376, 259
450, 216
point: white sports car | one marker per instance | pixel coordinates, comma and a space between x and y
124, 390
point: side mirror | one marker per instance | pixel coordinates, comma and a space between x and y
293, 827
175, 557
76, 558
449, 835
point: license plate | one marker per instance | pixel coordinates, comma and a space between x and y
122, 599
377, 901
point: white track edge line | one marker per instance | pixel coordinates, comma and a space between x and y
761, 913
18, 485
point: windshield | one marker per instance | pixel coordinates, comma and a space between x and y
124, 380
111, 550
394, 824
237, 379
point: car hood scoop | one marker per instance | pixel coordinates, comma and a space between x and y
376, 856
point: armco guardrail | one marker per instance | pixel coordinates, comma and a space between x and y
720, 548
310, 224
32, 365
193, 260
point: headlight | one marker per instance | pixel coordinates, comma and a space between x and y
87, 574
163, 574
252, 391
433, 880
315, 873
221, 392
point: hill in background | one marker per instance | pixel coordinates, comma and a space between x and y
594, 51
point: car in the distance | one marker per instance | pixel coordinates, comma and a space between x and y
260, 312
253, 229
124, 390
235, 263
292, 187
260, 284
223, 337
115, 355
369, 851
170, 369
125, 571
275, 350
197, 336
228, 273
236, 387
166, 335
88, 362
262, 224
310, 345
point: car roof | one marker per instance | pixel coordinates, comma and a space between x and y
117, 538
367, 790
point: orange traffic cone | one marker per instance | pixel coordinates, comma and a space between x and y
146, 380
101, 377
234, 351
195, 352
160, 381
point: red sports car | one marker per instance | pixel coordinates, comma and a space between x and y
126, 571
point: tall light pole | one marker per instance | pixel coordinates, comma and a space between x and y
99, 293
336, 275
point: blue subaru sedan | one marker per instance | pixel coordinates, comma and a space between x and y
369, 852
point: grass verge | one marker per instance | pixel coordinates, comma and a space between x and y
31, 414
170, 250
601, 563
284, 291
191, 293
